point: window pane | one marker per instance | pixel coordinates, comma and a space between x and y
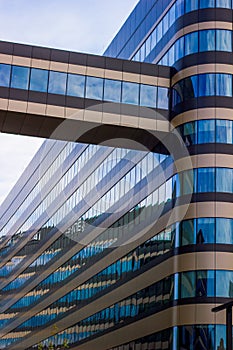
205, 230
94, 88
224, 179
223, 3
190, 133
188, 284
5, 72
20, 77
39, 80
206, 131
206, 180
57, 83
76, 85
179, 49
205, 285
224, 131
188, 232
206, 3
162, 100
148, 96
207, 40
224, 285
191, 43
207, 85
191, 5
224, 231
112, 90
130, 93
224, 85
223, 40
188, 182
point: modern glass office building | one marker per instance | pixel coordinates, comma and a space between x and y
123, 248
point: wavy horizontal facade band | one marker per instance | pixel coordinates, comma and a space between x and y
123, 238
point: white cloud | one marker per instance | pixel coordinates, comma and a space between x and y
79, 25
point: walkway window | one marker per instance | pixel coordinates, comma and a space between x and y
76, 85
5, 72
57, 83
162, 100
130, 93
20, 77
148, 96
39, 80
112, 90
94, 88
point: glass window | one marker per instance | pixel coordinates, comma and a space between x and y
148, 96
207, 85
130, 93
223, 3
112, 90
191, 5
188, 182
5, 73
57, 83
153, 39
206, 3
190, 133
205, 285
206, 131
224, 85
162, 99
224, 131
172, 15
76, 85
188, 232
159, 31
188, 284
179, 8
227, 176
20, 77
165, 24
224, 231
94, 88
205, 230
190, 87
39, 80
223, 40
179, 49
171, 56
220, 337
224, 285
207, 40
206, 180
191, 43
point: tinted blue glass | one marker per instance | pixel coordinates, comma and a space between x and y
191, 5
224, 131
172, 15
190, 133
76, 85
171, 55
207, 85
224, 231
162, 98
188, 284
112, 90
227, 176
206, 131
223, 3
223, 85
206, 3
205, 230
188, 232
5, 73
39, 80
206, 180
20, 77
57, 83
179, 8
94, 88
179, 49
191, 43
207, 40
223, 40
205, 284
148, 96
224, 285
130, 93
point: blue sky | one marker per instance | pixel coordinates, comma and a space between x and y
78, 25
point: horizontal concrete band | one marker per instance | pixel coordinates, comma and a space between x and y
85, 70
202, 114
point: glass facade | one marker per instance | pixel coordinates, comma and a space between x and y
119, 246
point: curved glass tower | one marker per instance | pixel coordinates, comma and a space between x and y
119, 248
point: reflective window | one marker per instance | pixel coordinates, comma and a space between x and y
191, 43
5, 72
205, 284
205, 230
224, 131
39, 80
179, 49
206, 131
224, 231
224, 285
148, 96
223, 3
190, 133
206, 3
191, 5
188, 284
112, 90
76, 85
223, 40
187, 232
130, 93
94, 88
206, 180
224, 180
207, 40
162, 99
223, 85
207, 86
57, 83
20, 77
